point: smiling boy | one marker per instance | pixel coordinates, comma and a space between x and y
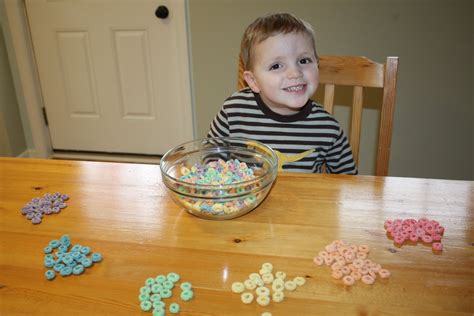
281, 63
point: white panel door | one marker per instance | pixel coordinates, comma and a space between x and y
114, 77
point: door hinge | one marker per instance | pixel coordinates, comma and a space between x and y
45, 116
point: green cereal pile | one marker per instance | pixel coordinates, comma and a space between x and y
159, 288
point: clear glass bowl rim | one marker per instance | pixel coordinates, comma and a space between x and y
272, 171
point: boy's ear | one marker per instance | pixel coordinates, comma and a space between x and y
250, 79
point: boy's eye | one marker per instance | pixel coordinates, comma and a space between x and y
305, 61
275, 67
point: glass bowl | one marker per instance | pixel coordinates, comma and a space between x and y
219, 178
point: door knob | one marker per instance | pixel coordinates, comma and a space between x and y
162, 12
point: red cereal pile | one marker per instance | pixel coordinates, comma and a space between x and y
425, 230
350, 263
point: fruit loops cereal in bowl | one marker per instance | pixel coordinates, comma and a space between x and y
219, 178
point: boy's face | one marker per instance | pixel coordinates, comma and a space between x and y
284, 72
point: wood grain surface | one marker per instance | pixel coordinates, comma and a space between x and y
123, 211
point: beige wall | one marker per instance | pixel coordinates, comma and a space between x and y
433, 132
12, 139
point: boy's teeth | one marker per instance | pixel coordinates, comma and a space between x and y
295, 88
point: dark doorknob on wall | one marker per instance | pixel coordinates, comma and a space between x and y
162, 12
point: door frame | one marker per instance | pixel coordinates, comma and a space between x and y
26, 79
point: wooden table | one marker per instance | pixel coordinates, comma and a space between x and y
124, 212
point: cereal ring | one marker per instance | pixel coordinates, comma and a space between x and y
290, 285
336, 266
328, 261
188, 286
159, 304
267, 278
361, 255
299, 281
277, 297
330, 248
143, 297
263, 300
174, 308
186, 295
345, 270
358, 263
262, 291
185, 171
318, 260
336, 274
50, 274
259, 282
160, 279
364, 248
145, 290
250, 284
238, 287
173, 277
267, 266
349, 256
440, 230
323, 254
364, 270
159, 311
166, 293
427, 239
155, 298
254, 276
375, 267
278, 285
145, 306
413, 237
384, 273
282, 275
348, 280
367, 279
78, 269
353, 248
246, 298
96, 257
262, 271
356, 275
437, 246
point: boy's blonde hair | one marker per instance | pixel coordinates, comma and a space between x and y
271, 25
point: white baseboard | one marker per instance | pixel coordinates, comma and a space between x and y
25, 154
88, 156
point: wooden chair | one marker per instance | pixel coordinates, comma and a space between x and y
358, 72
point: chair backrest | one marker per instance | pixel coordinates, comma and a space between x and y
358, 72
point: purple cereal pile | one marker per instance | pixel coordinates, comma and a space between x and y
48, 204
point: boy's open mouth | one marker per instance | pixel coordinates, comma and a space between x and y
295, 88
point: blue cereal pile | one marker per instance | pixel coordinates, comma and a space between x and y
159, 288
66, 259
48, 204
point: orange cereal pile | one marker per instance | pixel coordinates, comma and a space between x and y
350, 263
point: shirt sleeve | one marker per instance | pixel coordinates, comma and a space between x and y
219, 125
339, 158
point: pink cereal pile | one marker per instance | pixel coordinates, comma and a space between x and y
350, 263
406, 230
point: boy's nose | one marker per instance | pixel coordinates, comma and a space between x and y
294, 72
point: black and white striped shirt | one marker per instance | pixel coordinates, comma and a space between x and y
245, 115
